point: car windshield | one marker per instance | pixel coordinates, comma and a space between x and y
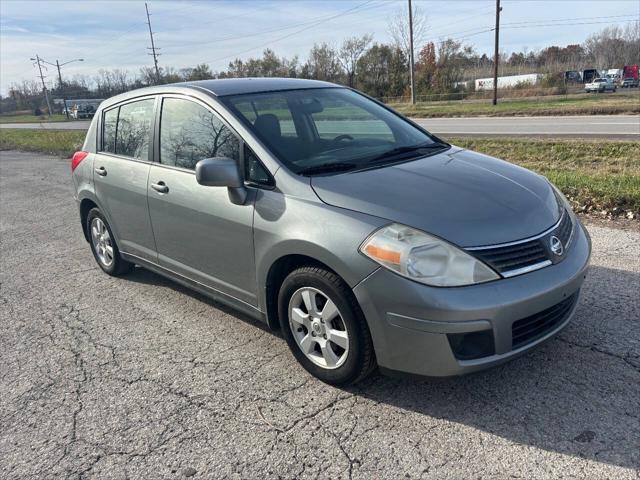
330, 130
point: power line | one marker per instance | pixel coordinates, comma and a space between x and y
345, 12
564, 24
465, 20
568, 19
314, 20
216, 21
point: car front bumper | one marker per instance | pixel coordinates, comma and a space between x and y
412, 325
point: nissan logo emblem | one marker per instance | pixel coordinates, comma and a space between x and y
556, 245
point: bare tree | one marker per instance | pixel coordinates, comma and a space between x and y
398, 28
350, 52
614, 45
322, 63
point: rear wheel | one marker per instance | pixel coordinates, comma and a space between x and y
103, 245
324, 326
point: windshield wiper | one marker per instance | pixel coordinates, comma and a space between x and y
328, 168
407, 149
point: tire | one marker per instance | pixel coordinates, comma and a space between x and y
112, 264
355, 362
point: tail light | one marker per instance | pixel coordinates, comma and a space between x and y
77, 158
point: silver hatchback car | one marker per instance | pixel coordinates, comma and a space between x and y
366, 240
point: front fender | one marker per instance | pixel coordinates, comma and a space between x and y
286, 226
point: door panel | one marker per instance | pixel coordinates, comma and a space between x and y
123, 194
202, 235
199, 232
121, 171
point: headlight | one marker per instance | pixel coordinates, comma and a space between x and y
424, 258
562, 199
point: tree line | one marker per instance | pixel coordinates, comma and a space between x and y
378, 69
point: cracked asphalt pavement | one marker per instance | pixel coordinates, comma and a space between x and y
137, 377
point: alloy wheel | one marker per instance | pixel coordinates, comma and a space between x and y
318, 328
102, 242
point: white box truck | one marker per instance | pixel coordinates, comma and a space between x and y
508, 81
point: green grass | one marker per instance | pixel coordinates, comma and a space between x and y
32, 118
57, 142
583, 104
594, 174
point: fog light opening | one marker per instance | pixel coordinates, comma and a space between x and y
472, 345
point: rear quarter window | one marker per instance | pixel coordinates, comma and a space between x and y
90, 140
109, 130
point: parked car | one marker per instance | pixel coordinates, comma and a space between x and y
600, 85
365, 239
629, 82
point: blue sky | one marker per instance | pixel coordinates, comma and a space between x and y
114, 34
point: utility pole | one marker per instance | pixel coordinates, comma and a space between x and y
64, 97
61, 85
411, 66
153, 46
496, 54
38, 61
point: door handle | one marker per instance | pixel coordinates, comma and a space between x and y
101, 171
160, 187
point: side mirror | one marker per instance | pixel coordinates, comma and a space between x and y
222, 172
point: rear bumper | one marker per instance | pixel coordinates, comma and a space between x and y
412, 325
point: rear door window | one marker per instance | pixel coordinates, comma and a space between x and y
126, 129
134, 128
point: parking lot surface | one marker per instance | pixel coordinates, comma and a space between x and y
137, 377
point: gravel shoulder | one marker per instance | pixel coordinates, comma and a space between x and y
140, 378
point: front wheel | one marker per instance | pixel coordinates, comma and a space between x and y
324, 326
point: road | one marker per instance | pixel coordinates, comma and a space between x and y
137, 377
593, 126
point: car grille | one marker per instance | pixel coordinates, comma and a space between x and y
515, 257
563, 232
521, 257
536, 326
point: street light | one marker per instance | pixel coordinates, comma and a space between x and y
58, 65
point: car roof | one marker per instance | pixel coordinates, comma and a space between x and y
237, 86
222, 87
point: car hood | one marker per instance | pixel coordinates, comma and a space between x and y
465, 197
